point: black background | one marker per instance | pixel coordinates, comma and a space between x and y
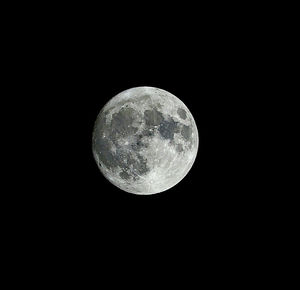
207, 76
64, 219
204, 70
75, 63
84, 63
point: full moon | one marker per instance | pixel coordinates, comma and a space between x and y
145, 140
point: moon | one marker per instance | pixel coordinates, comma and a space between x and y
145, 140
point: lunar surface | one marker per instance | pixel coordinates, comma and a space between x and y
145, 140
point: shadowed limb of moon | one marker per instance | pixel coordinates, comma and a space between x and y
145, 140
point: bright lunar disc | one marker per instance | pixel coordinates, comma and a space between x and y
145, 140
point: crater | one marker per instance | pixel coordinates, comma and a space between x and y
102, 147
168, 128
179, 148
121, 123
141, 166
121, 126
137, 145
186, 132
181, 113
153, 117
124, 175
129, 161
144, 97
148, 133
